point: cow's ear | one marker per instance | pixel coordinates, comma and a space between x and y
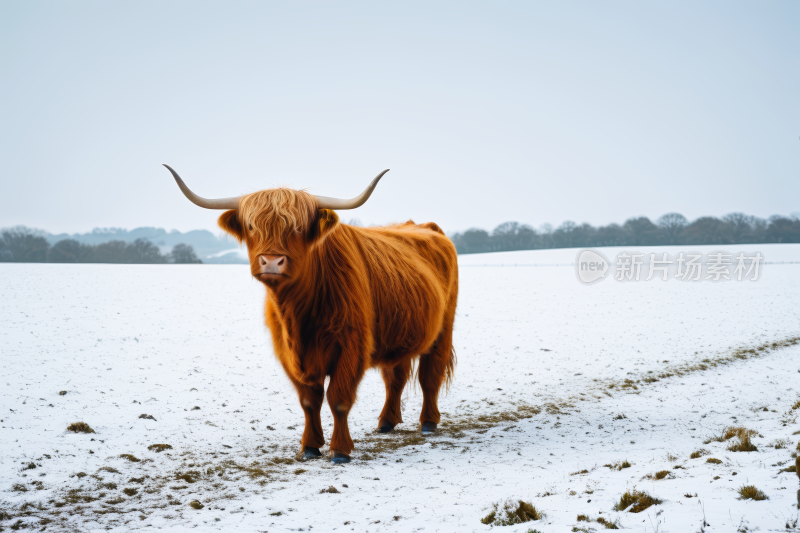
229, 222
326, 221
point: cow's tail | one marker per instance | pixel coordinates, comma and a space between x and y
449, 369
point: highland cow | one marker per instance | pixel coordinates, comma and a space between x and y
342, 299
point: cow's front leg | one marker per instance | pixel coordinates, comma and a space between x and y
341, 397
311, 401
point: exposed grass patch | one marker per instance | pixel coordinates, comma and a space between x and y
300, 471
330, 490
80, 427
81, 474
129, 457
511, 512
584, 471
619, 465
792, 468
130, 491
698, 454
194, 504
750, 492
713, 461
158, 448
635, 501
109, 469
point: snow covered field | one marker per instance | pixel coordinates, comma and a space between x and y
540, 395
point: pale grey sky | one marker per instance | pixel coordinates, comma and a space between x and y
485, 111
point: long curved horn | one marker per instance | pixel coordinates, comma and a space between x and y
215, 203
326, 202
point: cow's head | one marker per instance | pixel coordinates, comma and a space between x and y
278, 225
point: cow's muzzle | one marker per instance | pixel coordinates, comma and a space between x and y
272, 266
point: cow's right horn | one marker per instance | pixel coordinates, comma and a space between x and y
208, 203
326, 202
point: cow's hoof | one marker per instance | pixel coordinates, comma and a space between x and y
428, 428
385, 427
308, 453
339, 458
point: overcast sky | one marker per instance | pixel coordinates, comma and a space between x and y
484, 111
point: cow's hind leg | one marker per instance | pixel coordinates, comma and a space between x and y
435, 367
311, 400
395, 379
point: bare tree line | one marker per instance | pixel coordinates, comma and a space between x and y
25, 245
672, 228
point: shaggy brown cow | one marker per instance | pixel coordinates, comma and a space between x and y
342, 299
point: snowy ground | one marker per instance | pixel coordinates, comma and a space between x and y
532, 403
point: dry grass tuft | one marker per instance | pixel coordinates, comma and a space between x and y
130, 491
742, 444
511, 512
750, 492
730, 432
600, 520
584, 471
780, 444
129, 457
109, 469
607, 523
80, 427
189, 477
194, 504
158, 448
713, 461
792, 468
330, 490
796, 405
636, 501
619, 465
300, 471
661, 474
698, 454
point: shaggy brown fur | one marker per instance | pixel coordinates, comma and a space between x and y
352, 299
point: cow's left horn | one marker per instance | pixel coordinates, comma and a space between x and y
326, 202
215, 203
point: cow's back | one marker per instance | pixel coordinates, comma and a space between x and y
413, 279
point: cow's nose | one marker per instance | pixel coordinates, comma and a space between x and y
272, 264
